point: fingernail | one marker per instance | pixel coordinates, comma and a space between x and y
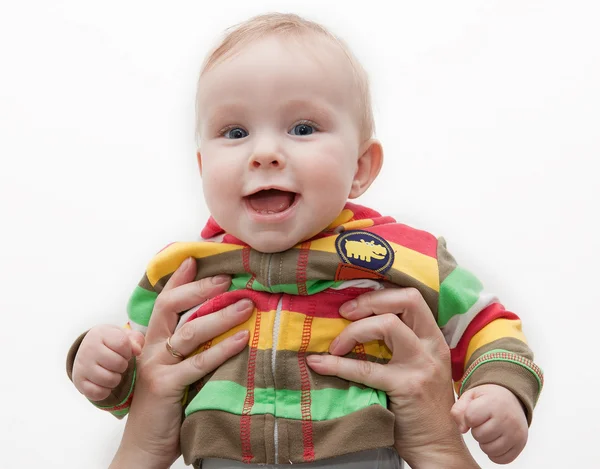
243, 305
314, 359
220, 279
185, 264
348, 307
241, 335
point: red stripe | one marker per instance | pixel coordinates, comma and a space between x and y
170, 244
305, 398
404, 235
486, 316
360, 212
301, 268
260, 300
125, 404
249, 400
329, 301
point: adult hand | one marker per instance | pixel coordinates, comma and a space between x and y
151, 438
417, 379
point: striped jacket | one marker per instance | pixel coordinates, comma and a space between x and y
266, 405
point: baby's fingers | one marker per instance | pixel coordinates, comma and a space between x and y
118, 341
478, 412
102, 377
487, 432
497, 449
92, 391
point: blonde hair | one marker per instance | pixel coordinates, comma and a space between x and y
287, 24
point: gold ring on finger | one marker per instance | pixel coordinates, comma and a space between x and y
172, 351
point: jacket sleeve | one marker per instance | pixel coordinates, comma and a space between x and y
486, 341
119, 400
139, 309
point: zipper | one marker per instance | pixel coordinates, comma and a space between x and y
274, 354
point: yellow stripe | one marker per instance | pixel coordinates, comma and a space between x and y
168, 260
342, 218
419, 266
498, 329
323, 331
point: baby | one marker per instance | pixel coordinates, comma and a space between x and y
285, 131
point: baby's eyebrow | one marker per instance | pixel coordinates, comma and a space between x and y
316, 110
225, 111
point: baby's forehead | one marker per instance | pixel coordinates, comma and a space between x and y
306, 60
311, 44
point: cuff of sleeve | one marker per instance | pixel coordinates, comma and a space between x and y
119, 400
72, 353
517, 374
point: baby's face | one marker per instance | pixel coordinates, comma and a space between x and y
279, 140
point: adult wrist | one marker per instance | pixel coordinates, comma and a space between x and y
453, 455
131, 456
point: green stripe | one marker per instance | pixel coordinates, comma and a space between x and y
458, 292
499, 359
240, 282
326, 404
120, 413
140, 305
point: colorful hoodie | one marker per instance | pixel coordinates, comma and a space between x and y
266, 405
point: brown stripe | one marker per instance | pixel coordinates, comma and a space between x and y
213, 434
276, 268
287, 373
72, 353
224, 263
506, 343
511, 376
446, 262
301, 268
145, 283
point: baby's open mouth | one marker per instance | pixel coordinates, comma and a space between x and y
271, 201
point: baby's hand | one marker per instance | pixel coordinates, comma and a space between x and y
496, 419
102, 358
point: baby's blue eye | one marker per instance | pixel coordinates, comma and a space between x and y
302, 129
235, 133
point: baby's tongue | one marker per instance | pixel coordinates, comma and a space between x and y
271, 201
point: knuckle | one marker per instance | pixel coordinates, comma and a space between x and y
365, 368
413, 297
186, 332
199, 361
113, 380
121, 365
161, 301
389, 321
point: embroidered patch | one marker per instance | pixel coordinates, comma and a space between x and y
366, 250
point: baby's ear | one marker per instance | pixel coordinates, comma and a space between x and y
199, 158
369, 164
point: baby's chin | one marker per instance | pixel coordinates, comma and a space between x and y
269, 246
270, 242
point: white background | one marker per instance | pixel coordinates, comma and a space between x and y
489, 117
